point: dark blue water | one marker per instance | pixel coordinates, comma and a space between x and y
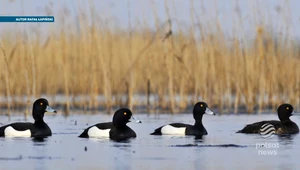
222, 148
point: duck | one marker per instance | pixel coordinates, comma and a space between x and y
283, 126
27, 129
200, 108
116, 130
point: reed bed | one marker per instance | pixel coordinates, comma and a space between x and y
97, 65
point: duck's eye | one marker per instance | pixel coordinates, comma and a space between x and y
125, 113
201, 105
287, 108
41, 104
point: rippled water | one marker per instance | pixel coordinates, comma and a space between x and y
222, 148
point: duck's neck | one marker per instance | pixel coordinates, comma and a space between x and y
39, 121
286, 121
38, 116
118, 126
198, 122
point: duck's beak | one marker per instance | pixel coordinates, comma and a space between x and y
49, 109
208, 111
132, 119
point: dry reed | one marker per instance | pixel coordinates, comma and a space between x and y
94, 60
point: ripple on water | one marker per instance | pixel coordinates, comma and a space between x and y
218, 146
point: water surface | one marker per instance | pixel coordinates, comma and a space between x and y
222, 148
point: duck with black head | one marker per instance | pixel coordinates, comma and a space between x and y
284, 126
116, 130
197, 129
26, 129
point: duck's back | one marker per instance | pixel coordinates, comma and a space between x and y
255, 127
100, 126
16, 129
171, 128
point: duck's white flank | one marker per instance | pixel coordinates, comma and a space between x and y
95, 132
171, 130
11, 132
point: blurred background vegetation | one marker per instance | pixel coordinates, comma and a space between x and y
87, 62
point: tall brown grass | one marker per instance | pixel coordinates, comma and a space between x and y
101, 60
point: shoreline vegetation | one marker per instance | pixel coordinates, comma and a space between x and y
141, 67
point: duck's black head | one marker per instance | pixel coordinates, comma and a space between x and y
122, 117
285, 111
41, 106
201, 108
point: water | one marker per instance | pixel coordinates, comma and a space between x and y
222, 148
